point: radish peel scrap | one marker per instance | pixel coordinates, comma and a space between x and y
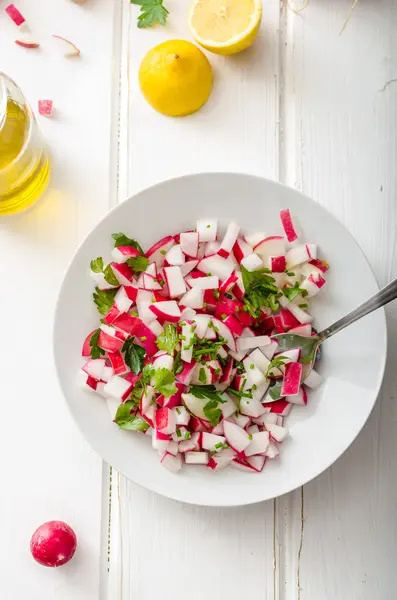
14, 14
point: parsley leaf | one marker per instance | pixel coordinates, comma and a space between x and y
168, 339
138, 263
134, 355
104, 300
178, 367
126, 419
96, 351
152, 11
122, 240
164, 382
260, 290
97, 265
293, 292
110, 277
212, 412
207, 392
147, 373
139, 389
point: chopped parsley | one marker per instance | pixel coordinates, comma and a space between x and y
168, 339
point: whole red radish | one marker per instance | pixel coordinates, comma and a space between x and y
53, 544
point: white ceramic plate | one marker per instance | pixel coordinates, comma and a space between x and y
352, 364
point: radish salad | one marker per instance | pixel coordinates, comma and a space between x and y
185, 344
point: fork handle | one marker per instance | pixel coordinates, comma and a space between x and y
384, 296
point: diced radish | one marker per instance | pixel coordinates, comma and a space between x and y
185, 376
236, 437
68, 48
108, 341
163, 360
270, 246
258, 444
303, 317
251, 429
202, 322
277, 264
254, 238
123, 273
122, 253
175, 282
190, 243
149, 282
156, 328
188, 266
313, 284
241, 249
127, 323
181, 415
173, 400
252, 262
188, 330
101, 282
313, 380
166, 311
298, 255
118, 365
175, 256
229, 240
158, 251
277, 433
242, 466
122, 301
228, 408
269, 350
292, 379
224, 331
272, 451
234, 325
94, 368
165, 421
86, 350
242, 420
299, 398
194, 298
229, 283
254, 375
172, 448
218, 429
194, 405
228, 374
132, 291
319, 264
45, 106
190, 444
119, 388
143, 302
216, 265
251, 407
246, 343
172, 463
259, 360
256, 462
268, 419
206, 229
196, 458
212, 442
288, 226
211, 248
151, 269
14, 14
279, 407
204, 283
188, 313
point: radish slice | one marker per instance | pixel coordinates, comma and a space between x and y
69, 49
30, 43
14, 14
206, 230
229, 240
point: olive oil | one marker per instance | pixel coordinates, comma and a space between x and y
24, 163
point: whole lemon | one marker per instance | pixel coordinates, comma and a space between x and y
175, 78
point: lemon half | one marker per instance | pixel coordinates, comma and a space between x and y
225, 26
176, 78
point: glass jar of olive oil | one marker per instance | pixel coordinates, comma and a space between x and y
24, 162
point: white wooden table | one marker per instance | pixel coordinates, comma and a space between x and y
306, 106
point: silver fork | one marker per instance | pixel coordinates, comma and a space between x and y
310, 345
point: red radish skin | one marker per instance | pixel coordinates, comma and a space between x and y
70, 49
286, 221
53, 544
45, 107
14, 14
86, 351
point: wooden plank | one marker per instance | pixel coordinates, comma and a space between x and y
236, 131
48, 470
340, 148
